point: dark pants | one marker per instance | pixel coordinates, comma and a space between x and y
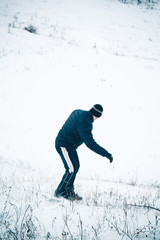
71, 163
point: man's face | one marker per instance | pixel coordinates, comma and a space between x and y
94, 117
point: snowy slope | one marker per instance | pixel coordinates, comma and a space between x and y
84, 52
108, 210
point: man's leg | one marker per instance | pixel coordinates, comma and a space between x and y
61, 187
71, 164
75, 161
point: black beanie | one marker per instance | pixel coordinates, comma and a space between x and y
96, 110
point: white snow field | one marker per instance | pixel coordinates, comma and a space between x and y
56, 56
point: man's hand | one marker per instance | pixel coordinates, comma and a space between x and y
110, 157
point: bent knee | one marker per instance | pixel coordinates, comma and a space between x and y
76, 169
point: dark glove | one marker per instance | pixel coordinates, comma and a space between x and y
110, 157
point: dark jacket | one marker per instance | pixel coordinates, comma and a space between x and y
77, 130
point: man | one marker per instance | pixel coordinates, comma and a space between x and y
75, 131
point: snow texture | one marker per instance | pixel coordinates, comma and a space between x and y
56, 56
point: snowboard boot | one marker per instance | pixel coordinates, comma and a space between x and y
72, 196
59, 194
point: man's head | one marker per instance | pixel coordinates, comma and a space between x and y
97, 110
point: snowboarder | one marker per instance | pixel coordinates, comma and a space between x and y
75, 131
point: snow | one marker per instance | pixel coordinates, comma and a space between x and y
84, 52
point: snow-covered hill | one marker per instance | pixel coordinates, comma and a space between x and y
108, 210
81, 53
